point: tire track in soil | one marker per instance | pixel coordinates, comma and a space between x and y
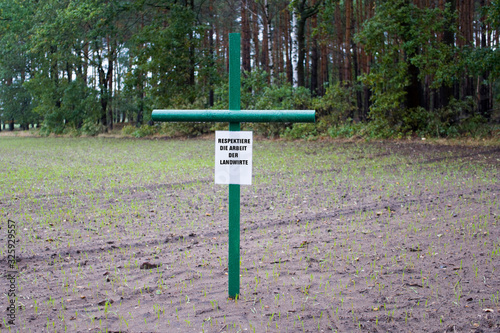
394, 205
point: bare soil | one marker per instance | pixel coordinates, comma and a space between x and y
407, 242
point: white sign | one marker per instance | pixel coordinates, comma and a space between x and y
233, 157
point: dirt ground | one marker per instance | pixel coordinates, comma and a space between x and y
375, 237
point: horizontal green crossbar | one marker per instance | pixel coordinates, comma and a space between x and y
243, 116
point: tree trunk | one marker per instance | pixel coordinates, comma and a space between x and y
54, 75
359, 114
69, 72
414, 89
347, 43
245, 37
85, 63
211, 55
324, 74
212, 64
270, 48
192, 61
109, 79
277, 51
255, 33
265, 39
339, 56
314, 68
288, 49
303, 12
301, 26
140, 96
446, 91
484, 93
314, 59
366, 101
225, 43
103, 86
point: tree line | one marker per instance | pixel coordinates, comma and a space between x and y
401, 66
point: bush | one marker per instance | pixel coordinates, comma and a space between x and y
280, 96
72, 132
91, 128
449, 121
145, 130
140, 132
128, 130
185, 129
301, 131
336, 104
474, 126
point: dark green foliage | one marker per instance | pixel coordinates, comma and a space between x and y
15, 100
400, 68
165, 52
257, 94
17, 104
337, 104
401, 36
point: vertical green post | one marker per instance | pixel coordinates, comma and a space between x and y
234, 189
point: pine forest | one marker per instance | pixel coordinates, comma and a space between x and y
369, 68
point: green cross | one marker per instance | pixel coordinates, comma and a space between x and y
234, 116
